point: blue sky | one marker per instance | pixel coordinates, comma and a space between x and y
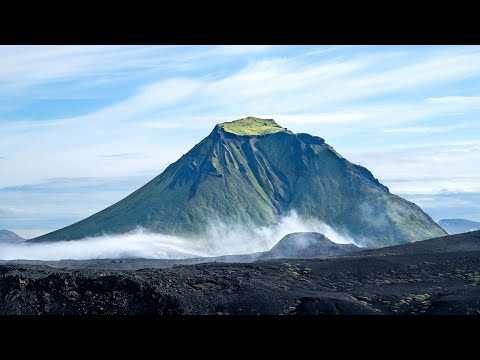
83, 126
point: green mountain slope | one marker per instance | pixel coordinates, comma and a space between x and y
254, 171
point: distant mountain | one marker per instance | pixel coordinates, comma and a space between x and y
307, 245
9, 236
458, 226
465, 242
300, 245
253, 171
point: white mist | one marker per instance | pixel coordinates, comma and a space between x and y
221, 239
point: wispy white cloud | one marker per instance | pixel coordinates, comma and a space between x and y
25, 66
161, 124
448, 205
129, 155
455, 100
151, 98
238, 50
426, 169
366, 99
55, 203
286, 86
443, 66
186, 103
291, 86
427, 129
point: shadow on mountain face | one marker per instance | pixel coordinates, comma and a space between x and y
253, 171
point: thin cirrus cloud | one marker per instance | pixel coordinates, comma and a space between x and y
342, 81
130, 155
391, 109
427, 129
33, 65
261, 86
416, 169
448, 205
25, 66
456, 100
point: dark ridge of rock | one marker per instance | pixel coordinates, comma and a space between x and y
451, 243
411, 279
308, 245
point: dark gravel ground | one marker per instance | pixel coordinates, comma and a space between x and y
439, 276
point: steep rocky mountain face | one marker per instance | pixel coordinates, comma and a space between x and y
458, 226
7, 236
252, 171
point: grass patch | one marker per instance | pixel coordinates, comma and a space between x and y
253, 126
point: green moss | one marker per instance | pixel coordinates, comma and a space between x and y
239, 180
252, 126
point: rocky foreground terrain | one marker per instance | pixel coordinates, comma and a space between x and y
438, 276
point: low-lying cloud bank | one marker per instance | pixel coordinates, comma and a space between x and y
221, 239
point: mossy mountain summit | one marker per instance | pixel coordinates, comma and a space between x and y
251, 126
253, 171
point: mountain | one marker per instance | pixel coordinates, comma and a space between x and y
459, 243
458, 226
299, 245
253, 171
9, 236
307, 245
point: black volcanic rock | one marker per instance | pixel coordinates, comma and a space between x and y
437, 276
308, 245
465, 242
